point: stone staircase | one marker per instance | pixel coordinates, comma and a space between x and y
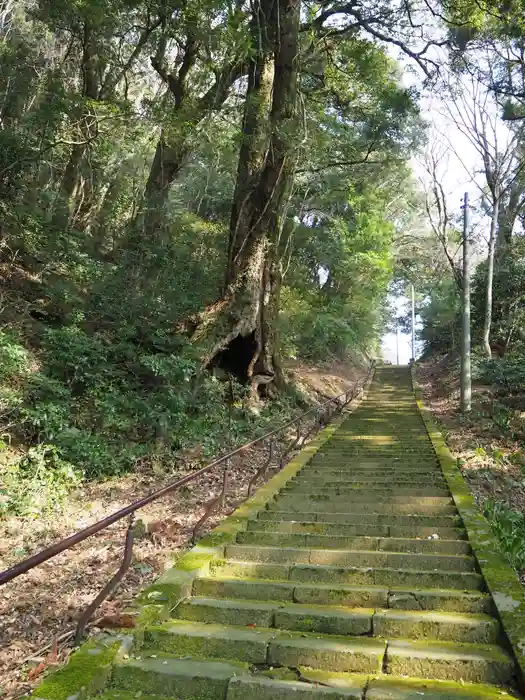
356, 581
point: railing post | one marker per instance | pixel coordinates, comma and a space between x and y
110, 585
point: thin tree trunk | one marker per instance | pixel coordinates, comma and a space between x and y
173, 149
466, 372
166, 165
86, 132
490, 277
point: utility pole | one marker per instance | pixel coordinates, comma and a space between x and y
397, 341
413, 324
466, 377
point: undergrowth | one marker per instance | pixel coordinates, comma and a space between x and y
509, 527
93, 409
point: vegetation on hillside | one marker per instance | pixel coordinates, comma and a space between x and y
190, 193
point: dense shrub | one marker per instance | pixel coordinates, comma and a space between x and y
507, 373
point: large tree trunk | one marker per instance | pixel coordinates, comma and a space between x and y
490, 278
239, 331
255, 133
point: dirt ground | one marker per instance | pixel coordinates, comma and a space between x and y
490, 454
40, 608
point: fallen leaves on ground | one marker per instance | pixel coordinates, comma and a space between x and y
486, 455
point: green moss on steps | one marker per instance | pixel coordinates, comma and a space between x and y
415, 689
266, 689
175, 678
210, 641
87, 671
336, 653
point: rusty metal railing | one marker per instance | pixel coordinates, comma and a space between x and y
311, 420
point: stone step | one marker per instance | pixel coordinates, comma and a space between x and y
345, 595
338, 620
362, 505
266, 646
373, 495
370, 475
261, 688
184, 679
342, 557
447, 661
395, 688
323, 685
392, 544
365, 529
477, 663
368, 492
387, 482
364, 518
368, 478
319, 573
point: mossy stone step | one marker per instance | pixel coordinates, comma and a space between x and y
360, 505
209, 641
365, 479
356, 473
251, 688
319, 594
334, 557
342, 620
354, 655
344, 595
372, 491
184, 679
338, 466
363, 518
315, 573
439, 625
366, 529
449, 661
266, 646
394, 688
282, 616
416, 546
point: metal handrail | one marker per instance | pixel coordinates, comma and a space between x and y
324, 410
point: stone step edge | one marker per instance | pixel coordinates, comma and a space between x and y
264, 638
467, 580
89, 668
314, 553
477, 628
312, 516
290, 684
384, 594
381, 542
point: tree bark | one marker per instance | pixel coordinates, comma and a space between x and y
490, 278
86, 132
240, 331
255, 133
166, 165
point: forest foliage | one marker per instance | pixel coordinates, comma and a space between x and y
192, 192
189, 191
